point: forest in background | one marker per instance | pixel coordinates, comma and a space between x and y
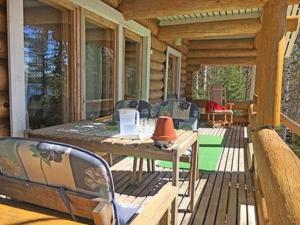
237, 80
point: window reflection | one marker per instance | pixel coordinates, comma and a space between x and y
46, 48
100, 49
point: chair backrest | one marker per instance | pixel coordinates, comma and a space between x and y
217, 93
57, 165
142, 106
185, 114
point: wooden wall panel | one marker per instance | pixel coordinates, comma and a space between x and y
4, 95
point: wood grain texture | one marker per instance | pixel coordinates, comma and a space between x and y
241, 61
246, 43
133, 9
158, 56
3, 21
289, 123
150, 24
4, 105
3, 46
221, 53
13, 212
211, 29
46, 196
270, 44
158, 44
3, 77
278, 169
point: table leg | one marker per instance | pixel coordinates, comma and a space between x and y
141, 170
175, 172
175, 181
133, 178
193, 176
174, 211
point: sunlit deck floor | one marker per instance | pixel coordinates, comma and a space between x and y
224, 196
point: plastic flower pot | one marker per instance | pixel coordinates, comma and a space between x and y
164, 130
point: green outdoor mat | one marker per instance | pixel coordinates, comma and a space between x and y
210, 151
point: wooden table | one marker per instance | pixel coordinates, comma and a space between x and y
124, 146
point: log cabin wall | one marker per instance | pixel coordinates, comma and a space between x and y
4, 95
158, 59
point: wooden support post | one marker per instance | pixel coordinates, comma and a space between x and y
270, 45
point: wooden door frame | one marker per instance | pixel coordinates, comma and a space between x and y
178, 55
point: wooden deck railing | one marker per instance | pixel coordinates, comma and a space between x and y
277, 175
289, 123
242, 106
277, 179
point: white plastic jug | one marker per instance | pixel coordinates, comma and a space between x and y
129, 121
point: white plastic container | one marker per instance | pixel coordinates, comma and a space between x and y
129, 121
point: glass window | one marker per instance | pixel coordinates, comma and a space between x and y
100, 61
47, 41
133, 54
172, 75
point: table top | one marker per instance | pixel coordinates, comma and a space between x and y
185, 138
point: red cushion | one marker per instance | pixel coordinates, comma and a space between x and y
210, 106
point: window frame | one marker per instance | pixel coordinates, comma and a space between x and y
16, 64
98, 21
134, 37
178, 55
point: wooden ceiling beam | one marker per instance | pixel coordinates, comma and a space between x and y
292, 2
292, 23
222, 53
236, 61
211, 29
246, 43
137, 9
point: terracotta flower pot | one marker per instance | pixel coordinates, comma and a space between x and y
164, 130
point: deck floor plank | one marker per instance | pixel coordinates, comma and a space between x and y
225, 196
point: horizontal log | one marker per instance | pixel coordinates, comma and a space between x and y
3, 3
278, 169
156, 94
4, 128
4, 105
157, 56
292, 24
3, 78
291, 2
112, 3
183, 57
150, 24
156, 100
289, 123
222, 53
3, 21
182, 91
156, 66
134, 9
242, 61
3, 47
183, 78
183, 85
211, 29
192, 68
183, 71
156, 85
246, 43
183, 63
156, 75
157, 44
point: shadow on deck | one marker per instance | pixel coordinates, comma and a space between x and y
224, 196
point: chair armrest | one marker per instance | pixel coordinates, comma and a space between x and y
104, 119
230, 105
103, 214
157, 207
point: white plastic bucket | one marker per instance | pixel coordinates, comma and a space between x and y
129, 121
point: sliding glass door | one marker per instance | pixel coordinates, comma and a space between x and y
99, 69
47, 41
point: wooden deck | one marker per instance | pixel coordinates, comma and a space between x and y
224, 196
